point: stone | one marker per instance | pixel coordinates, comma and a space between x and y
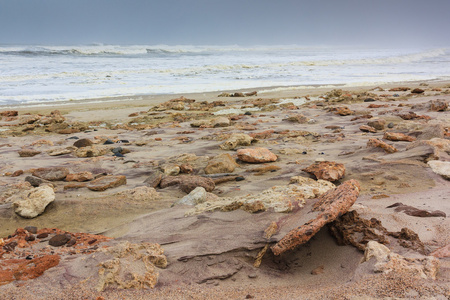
28, 152
440, 167
237, 139
188, 183
318, 270
256, 155
438, 105
154, 179
80, 177
36, 181
196, 196
298, 118
442, 252
415, 212
24, 269
343, 111
9, 113
329, 206
392, 136
367, 128
378, 124
387, 261
60, 151
220, 122
223, 163
31, 229
91, 151
107, 182
52, 173
140, 194
186, 169
374, 143
59, 240
170, 170
417, 91
326, 170
83, 143
31, 203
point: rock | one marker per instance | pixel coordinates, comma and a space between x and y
440, 167
326, 170
36, 181
186, 169
318, 270
391, 125
60, 151
30, 204
24, 269
412, 115
83, 143
59, 240
31, 229
369, 100
330, 205
80, 177
28, 152
201, 123
223, 163
237, 139
415, 212
196, 196
220, 122
390, 262
298, 118
417, 91
9, 113
154, 179
392, 136
367, 128
438, 105
91, 151
442, 252
373, 142
343, 111
378, 124
140, 194
171, 170
188, 183
107, 182
256, 155
52, 173
432, 131
75, 186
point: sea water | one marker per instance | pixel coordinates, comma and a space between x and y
36, 74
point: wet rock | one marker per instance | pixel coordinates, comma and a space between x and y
52, 173
154, 179
223, 163
367, 128
107, 182
378, 124
326, 170
83, 143
237, 139
390, 262
256, 155
220, 122
440, 167
28, 152
330, 205
80, 177
59, 240
438, 105
91, 151
392, 136
374, 143
31, 203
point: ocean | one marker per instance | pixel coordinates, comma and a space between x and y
38, 74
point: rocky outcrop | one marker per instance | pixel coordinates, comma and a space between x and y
106, 182
237, 139
52, 173
377, 143
256, 155
326, 170
31, 203
330, 206
223, 163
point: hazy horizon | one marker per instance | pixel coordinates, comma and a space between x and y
399, 23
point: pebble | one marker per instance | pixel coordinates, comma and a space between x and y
108, 142
390, 125
31, 229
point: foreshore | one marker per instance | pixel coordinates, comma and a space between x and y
360, 163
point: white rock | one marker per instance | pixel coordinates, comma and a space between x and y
440, 167
196, 196
30, 204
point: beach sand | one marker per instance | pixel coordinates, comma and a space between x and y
211, 251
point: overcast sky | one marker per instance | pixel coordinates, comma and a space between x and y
225, 22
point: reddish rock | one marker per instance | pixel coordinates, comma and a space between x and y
367, 128
343, 111
17, 173
73, 186
438, 105
256, 155
329, 206
186, 169
377, 105
412, 115
417, 91
59, 240
380, 144
262, 135
23, 269
9, 113
52, 173
392, 136
326, 170
107, 182
80, 177
378, 124
188, 183
399, 89
28, 152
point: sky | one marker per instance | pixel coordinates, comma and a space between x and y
226, 22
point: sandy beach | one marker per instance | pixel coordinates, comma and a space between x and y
275, 193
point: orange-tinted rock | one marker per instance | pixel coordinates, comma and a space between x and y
9, 113
343, 111
23, 269
52, 173
417, 91
442, 252
74, 185
378, 124
412, 115
367, 128
80, 177
380, 144
399, 89
326, 170
438, 105
223, 163
107, 182
28, 152
256, 155
331, 205
392, 136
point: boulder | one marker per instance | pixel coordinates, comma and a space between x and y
392, 136
82, 176
9, 113
378, 124
440, 167
60, 151
223, 163
343, 111
107, 182
52, 173
237, 139
326, 170
377, 143
256, 155
328, 207
31, 203
417, 91
170, 170
196, 196
220, 122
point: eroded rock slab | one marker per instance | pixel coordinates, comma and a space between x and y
107, 182
51, 174
397, 136
326, 170
377, 143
